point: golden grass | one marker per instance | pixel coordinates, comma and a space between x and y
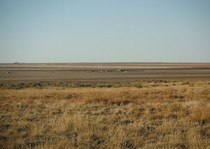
157, 115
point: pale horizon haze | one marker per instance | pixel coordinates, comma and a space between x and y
45, 31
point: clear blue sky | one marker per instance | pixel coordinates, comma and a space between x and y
104, 31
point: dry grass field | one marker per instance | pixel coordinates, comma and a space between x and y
108, 105
122, 115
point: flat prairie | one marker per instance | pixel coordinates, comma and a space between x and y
105, 105
102, 71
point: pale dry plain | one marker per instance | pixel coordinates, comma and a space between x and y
105, 105
102, 71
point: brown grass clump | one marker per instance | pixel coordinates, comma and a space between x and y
201, 115
156, 115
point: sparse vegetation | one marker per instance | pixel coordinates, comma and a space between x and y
135, 114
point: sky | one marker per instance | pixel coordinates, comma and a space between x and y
45, 31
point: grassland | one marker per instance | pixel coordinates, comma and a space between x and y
125, 114
102, 71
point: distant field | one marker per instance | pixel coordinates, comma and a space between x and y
103, 71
